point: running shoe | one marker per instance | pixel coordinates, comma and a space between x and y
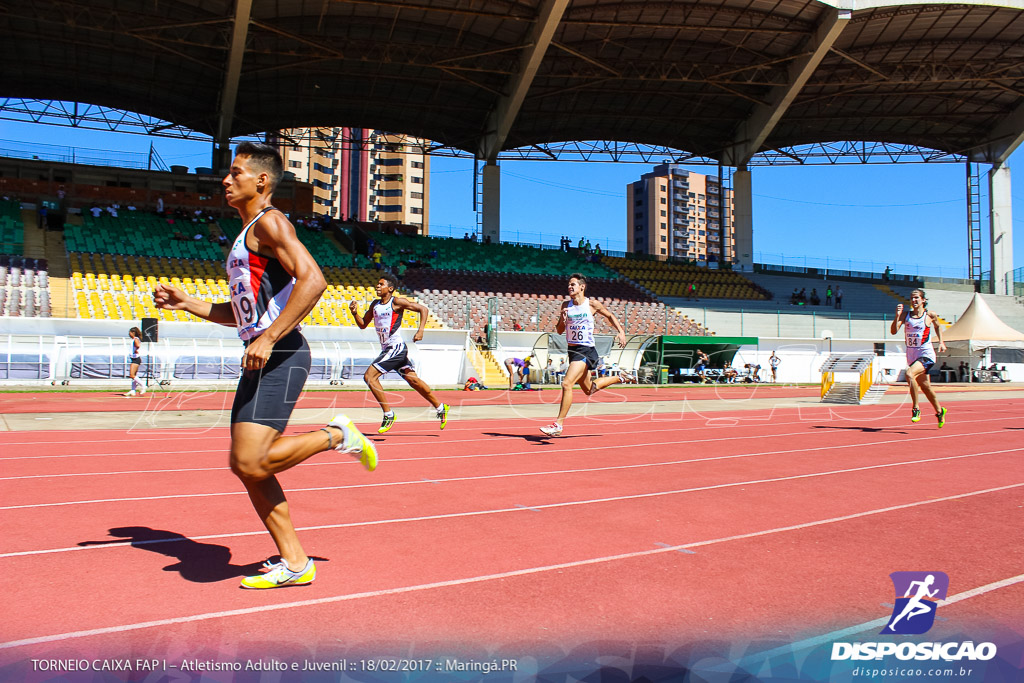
941, 416
915, 415
130, 394
627, 377
355, 443
442, 414
142, 390
278, 575
386, 424
553, 429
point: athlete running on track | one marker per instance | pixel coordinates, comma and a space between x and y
576, 321
274, 284
917, 324
385, 312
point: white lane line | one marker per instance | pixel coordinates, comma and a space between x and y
761, 657
742, 421
564, 504
534, 452
504, 475
123, 628
418, 441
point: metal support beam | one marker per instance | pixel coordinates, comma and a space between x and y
752, 133
1003, 141
229, 93
507, 108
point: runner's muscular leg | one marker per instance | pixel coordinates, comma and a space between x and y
250, 445
372, 379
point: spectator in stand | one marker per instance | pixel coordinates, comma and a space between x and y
112, 209
839, 297
516, 326
549, 371
95, 211
377, 258
729, 373
886, 274
962, 371
815, 299
794, 298
828, 296
563, 367
160, 205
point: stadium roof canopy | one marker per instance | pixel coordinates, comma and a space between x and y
718, 79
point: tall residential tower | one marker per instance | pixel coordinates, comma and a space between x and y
675, 214
361, 174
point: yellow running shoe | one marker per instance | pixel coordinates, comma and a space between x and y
278, 575
354, 442
941, 416
915, 414
442, 414
386, 424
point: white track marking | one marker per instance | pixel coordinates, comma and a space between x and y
532, 508
509, 475
123, 628
575, 449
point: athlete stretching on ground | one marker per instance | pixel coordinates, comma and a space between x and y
576, 321
385, 313
274, 284
917, 325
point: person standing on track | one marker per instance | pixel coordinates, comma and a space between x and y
135, 361
385, 312
917, 324
274, 284
576, 321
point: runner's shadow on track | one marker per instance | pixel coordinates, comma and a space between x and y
196, 562
867, 430
536, 438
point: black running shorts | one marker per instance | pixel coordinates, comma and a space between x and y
267, 396
394, 358
587, 354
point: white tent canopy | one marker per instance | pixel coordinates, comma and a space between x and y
979, 328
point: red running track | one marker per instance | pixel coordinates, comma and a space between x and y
781, 526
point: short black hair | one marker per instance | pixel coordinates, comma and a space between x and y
390, 279
579, 277
264, 159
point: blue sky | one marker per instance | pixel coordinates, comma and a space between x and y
863, 217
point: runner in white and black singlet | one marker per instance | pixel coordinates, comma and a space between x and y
385, 312
274, 284
576, 322
917, 325
135, 361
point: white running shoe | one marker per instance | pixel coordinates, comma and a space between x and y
130, 394
627, 377
354, 442
553, 429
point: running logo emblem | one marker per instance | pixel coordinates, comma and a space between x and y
917, 595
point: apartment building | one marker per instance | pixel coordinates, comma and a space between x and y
361, 174
673, 213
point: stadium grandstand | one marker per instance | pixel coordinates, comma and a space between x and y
105, 260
